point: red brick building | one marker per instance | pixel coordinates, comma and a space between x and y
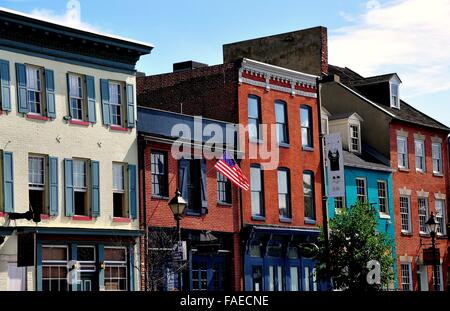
211, 222
283, 209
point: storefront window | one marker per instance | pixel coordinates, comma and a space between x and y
54, 268
257, 278
116, 274
294, 279
276, 278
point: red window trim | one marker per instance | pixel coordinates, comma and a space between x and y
118, 128
82, 218
1, 112
36, 117
2, 214
79, 122
121, 220
45, 216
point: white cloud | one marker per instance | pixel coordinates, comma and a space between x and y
71, 17
410, 37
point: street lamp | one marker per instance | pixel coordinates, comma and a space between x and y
432, 226
177, 205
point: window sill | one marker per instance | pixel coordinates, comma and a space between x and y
258, 218
255, 141
440, 175
2, 214
385, 216
284, 145
121, 220
79, 122
310, 222
441, 236
424, 235
406, 233
159, 197
118, 128
308, 149
421, 172
403, 169
36, 117
193, 214
224, 204
82, 218
286, 220
45, 217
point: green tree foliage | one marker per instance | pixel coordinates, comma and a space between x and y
353, 242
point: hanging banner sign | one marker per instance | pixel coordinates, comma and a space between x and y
335, 165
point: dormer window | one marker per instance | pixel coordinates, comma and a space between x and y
395, 98
355, 138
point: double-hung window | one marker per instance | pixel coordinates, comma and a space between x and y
116, 269
423, 214
440, 217
355, 141
281, 122
223, 189
37, 182
308, 196
306, 126
76, 97
80, 187
54, 268
254, 118
34, 89
159, 174
395, 99
257, 195
119, 187
406, 276
116, 103
405, 214
339, 203
437, 158
402, 152
284, 197
420, 155
383, 202
361, 190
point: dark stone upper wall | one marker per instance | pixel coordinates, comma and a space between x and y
304, 50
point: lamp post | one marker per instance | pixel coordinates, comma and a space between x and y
432, 225
177, 205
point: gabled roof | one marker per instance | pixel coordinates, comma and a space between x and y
406, 113
376, 79
346, 115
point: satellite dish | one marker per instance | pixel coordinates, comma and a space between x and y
308, 250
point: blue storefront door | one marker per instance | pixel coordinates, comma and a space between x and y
208, 273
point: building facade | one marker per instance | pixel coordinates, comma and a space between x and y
368, 178
283, 209
211, 222
69, 157
415, 146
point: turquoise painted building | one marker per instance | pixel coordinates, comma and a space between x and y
368, 176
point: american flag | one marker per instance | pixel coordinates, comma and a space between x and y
228, 167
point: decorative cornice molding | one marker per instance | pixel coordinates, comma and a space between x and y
269, 73
422, 194
401, 132
440, 196
436, 139
419, 136
404, 191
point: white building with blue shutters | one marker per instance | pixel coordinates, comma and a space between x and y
68, 158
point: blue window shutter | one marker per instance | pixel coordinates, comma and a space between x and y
8, 181
130, 106
104, 88
53, 186
95, 184
132, 203
90, 87
204, 189
5, 81
50, 93
183, 178
68, 184
68, 94
21, 77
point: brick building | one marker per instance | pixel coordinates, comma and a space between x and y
284, 208
211, 223
416, 147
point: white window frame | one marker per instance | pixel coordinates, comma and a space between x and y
440, 275
404, 140
441, 219
385, 197
123, 167
119, 104
420, 157
394, 103
37, 90
363, 179
423, 218
408, 199
77, 97
351, 137
436, 159
409, 276
36, 186
338, 209
80, 188
119, 264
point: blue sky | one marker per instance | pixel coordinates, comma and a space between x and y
411, 37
